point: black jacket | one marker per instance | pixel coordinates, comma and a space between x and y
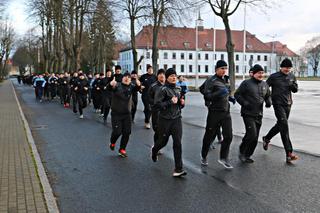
164, 104
80, 84
97, 84
282, 86
63, 82
146, 81
73, 83
122, 98
251, 95
135, 92
217, 93
154, 89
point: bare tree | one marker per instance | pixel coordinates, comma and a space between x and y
6, 43
311, 52
166, 12
135, 9
224, 9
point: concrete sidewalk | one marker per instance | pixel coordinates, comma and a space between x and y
20, 186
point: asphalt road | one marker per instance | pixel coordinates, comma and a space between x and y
87, 177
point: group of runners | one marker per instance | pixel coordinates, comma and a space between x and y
163, 97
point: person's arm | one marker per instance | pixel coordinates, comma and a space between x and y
293, 84
267, 98
239, 94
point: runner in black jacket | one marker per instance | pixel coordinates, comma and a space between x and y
134, 77
154, 89
251, 95
282, 83
169, 102
121, 111
146, 81
217, 94
81, 88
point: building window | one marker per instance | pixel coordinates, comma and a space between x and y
251, 57
265, 58
199, 68
190, 68
148, 55
174, 66
165, 55
215, 56
207, 56
163, 43
222, 56
165, 66
182, 55
206, 69
190, 56
237, 57
140, 67
265, 68
186, 44
174, 56
182, 68
259, 57
237, 68
199, 56
245, 57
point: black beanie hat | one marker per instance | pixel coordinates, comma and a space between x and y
117, 67
161, 71
221, 63
134, 72
286, 63
256, 68
149, 66
126, 74
170, 71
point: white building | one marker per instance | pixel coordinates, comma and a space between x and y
177, 49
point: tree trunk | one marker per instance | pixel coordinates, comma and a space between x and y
133, 44
230, 51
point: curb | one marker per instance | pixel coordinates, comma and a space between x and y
47, 190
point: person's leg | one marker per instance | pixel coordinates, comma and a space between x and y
283, 113
276, 128
146, 109
249, 136
226, 125
164, 131
213, 123
155, 121
253, 144
126, 131
116, 128
176, 133
134, 108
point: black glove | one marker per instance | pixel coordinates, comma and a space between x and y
232, 99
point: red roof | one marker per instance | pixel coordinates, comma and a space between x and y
183, 38
281, 49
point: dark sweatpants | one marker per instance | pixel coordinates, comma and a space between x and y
165, 129
134, 106
282, 113
121, 125
250, 139
82, 102
96, 99
65, 95
155, 124
215, 119
147, 108
105, 109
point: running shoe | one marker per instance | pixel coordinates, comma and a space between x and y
225, 163
112, 146
179, 173
291, 157
265, 143
123, 153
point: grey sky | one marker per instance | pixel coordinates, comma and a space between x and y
294, 22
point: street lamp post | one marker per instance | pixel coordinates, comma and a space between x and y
214, 41
198, 23
272, 51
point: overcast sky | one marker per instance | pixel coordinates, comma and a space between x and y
293, 23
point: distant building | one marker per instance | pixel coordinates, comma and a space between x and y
177, 49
